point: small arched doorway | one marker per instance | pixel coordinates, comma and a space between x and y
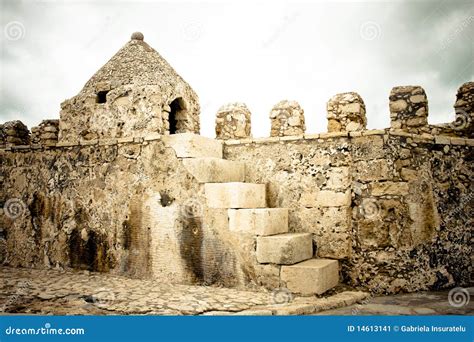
177, 115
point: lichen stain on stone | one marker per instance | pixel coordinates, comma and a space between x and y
136, 242
190, 246
91, 254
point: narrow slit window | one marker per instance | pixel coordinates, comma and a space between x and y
102, 96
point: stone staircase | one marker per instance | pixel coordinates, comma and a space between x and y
225, 188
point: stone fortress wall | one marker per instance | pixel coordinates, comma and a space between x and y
393, 206
124, 183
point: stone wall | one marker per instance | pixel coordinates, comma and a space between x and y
125, 206
393, 207
129, 111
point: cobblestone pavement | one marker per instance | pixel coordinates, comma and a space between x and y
60, 292
421, 303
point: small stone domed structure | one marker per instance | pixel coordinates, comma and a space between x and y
287, 118
136, 92
233, 121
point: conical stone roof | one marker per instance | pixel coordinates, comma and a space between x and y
135, 63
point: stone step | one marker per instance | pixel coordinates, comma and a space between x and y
215, 170
284, 249
266, 221
235, 195
190, 145
314, 276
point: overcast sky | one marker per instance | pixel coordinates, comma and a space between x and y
257, 52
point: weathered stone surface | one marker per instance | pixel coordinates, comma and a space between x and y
409, 109
331, 229
235, 195
464, 109
267, 221
46, 133
233, 121
189, 145
314, 276
287, 119
15, 133
326, 198
390, 188
284, 249
215, 170
346, 112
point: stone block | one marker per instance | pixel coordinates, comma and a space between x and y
371, 170
314, 276
390, 188
235, 195
327, 198
189, 145
284, 249
267, 221
215, 170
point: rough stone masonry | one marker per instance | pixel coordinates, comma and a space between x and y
123, 183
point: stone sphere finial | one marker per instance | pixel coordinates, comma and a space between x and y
137, 36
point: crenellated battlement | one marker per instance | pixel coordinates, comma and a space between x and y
346, 117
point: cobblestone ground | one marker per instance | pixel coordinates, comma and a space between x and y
63, 293
421, 303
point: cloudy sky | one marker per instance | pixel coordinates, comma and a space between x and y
257, 52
